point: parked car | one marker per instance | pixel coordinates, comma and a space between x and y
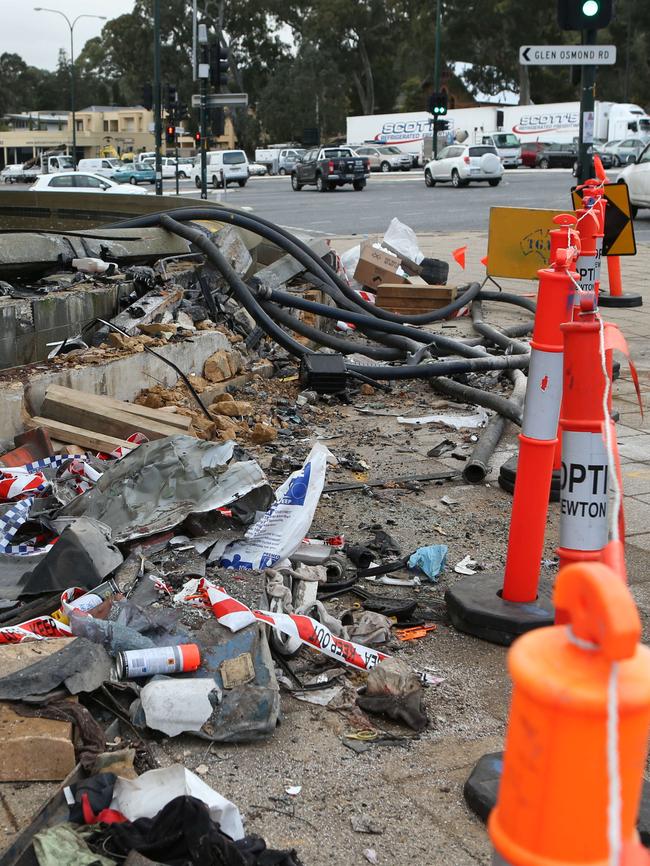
329, 167
134, 173
529, 152
637, 177
80, 182
223, 166
557, 156
623, 150
104, 166
461, 164
257, 169
606, 158
384, 158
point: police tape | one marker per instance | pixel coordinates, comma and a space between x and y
235, 615
39, 628
18, 482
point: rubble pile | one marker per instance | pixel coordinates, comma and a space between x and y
160, 576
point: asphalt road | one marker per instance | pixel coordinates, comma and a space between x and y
403, 195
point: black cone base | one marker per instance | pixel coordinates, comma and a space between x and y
482, 789
627, 299
475, 607
508, 476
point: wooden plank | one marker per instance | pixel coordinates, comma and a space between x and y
103, 420
414, 299
162, 416
76, 436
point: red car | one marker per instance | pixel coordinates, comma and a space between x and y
529, 152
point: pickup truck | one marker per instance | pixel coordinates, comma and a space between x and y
329, 167
29, 171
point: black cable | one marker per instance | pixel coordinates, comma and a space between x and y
240, 290
468, 394
444, 368
495, 336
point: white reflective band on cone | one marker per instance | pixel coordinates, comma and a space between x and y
583, 491
587, 268
543, 395
599, 256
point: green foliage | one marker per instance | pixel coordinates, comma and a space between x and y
311, 63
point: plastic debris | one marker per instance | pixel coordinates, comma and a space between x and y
467, 565
458, 422
431, 560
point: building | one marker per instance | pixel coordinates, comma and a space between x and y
102, 130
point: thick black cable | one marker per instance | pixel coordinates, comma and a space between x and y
240, 290
495, 336
444, 368
468, 394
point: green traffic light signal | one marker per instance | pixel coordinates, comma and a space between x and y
590, 8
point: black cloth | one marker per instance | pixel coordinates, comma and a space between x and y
184, 834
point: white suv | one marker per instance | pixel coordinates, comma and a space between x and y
462, 164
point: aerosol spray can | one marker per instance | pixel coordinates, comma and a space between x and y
132, 664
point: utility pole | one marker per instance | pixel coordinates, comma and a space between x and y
203, 73
436, 77
156, 95
586, 134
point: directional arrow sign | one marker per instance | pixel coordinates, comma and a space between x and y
567, 55
215, 100
619, 237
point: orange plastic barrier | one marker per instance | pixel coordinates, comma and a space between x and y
538, 439
585, 467
555, 791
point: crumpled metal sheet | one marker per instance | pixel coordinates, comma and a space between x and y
160, 483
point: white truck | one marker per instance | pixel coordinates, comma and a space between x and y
279, 158
28, 172
554, 122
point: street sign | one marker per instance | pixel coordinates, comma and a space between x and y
518, 241
619, 237
567, 55
215, 100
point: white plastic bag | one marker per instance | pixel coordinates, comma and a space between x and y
402, 238
281, 529
349, 261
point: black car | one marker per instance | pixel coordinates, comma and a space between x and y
557, 156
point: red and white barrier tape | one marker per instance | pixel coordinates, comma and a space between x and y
235, 615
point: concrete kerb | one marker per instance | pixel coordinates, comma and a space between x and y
122, 378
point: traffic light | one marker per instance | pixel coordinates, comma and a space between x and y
438, 103
584, 14
197, 139
170, 134
147, 97
218, 122
219, 65
170, 96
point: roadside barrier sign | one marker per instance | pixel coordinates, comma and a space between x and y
619, 237
518, 241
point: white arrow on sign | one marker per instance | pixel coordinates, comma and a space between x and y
567, 55
214, 100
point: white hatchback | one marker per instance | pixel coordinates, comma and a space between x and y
637, 177
462, 164
77, 181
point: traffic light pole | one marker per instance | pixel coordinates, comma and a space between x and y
586, 138
436, 77
156, 96
203, 127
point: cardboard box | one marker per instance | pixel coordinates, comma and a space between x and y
414, 299
376, 267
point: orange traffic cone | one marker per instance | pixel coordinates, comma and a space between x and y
585, 466
578, 732
498, 608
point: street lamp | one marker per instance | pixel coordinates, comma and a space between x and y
71, 25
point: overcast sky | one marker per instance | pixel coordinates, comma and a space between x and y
38, 36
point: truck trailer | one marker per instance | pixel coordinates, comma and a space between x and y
553, 122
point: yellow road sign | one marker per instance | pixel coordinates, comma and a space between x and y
619, 237
518, 241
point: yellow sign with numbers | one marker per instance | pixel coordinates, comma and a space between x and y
518, 241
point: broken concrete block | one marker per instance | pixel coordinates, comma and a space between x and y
222, 422
235, 408
222, 365
33, 749
223, 398
232, 246
263, 433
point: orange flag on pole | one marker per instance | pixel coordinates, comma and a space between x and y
459, 256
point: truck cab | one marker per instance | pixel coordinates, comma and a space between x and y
507, 145
58, 162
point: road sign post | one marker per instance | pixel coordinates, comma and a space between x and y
586, 133
220, 100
